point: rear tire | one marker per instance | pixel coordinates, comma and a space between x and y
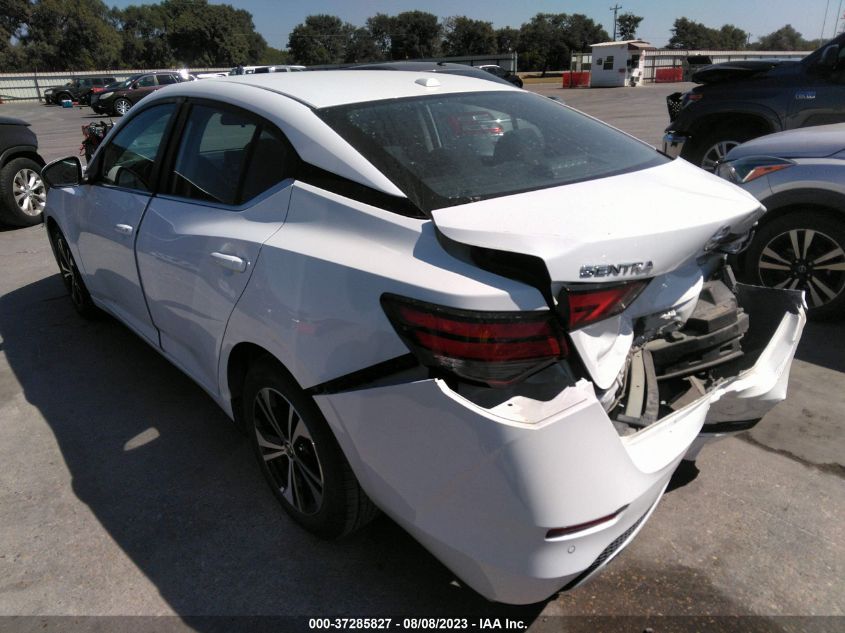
299, 456
818, 266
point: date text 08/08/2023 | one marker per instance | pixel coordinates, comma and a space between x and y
411, 624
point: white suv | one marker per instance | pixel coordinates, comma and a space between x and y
496, 319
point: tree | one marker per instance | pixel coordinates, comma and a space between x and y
14, 14
362, 47
379, 27
627, 24
732, 38
786, 38
694, 35
507, 39
78, 35
548, 39
321, 39
464, 36
414, 34
274, 57
143, 31
201, 34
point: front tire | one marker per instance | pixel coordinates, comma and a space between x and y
71, 277
707, 151
299, 456
23, 193
122, 106
802, 250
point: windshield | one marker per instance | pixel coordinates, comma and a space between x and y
448, 150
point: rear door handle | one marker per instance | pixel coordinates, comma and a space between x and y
124, 229
229, 262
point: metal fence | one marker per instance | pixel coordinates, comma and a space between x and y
31, 86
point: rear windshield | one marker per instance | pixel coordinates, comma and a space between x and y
448, 150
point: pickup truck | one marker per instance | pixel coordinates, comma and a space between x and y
741, 100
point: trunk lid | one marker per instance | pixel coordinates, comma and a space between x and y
663, 215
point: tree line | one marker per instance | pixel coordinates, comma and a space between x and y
60, 35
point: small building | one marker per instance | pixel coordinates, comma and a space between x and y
618, 63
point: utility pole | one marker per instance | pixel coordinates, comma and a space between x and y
615, 8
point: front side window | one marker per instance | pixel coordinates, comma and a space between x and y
448, 150
147, 81
228, 156
129, 159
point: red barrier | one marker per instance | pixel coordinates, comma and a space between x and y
668, 75
572, 79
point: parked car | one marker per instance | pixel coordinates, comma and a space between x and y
448, 68
119, 97
742, 100
79, 89
22, 191
799, 176
500, 72
457, 324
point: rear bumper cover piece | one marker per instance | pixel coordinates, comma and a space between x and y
481, 487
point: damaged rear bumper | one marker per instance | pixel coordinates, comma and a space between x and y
526, 497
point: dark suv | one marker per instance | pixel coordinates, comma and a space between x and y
79, 89
119, 97
742, 100
22, 191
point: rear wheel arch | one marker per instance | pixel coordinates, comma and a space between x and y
243, 356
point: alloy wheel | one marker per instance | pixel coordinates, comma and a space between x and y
29, 192
804, 259
122, 106
288, 450
716, 154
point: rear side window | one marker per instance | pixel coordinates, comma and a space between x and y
166, 79
147, 81
228, 157
129, 159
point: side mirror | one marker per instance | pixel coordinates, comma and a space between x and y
64, 172
134, 85
829, 58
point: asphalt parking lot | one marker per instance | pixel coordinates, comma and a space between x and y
125, 491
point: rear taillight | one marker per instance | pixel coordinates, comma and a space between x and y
582, 305
495, 348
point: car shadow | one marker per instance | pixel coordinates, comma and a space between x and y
818, 345
174, 483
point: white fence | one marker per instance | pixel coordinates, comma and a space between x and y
31, 86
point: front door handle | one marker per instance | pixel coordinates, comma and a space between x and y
124, 229
229, 262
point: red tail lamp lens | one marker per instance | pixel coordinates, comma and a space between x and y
597, 302
496, 348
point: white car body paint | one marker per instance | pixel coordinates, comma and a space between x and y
478, 480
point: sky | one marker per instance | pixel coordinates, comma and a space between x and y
275, 19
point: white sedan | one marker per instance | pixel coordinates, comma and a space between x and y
496, 319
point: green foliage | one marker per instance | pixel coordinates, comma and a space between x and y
464, 36
547, 41
414, 34
274, 57
627, 25
687, 34
785, 38
507, 39
322, 39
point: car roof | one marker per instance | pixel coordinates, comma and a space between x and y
339, 87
